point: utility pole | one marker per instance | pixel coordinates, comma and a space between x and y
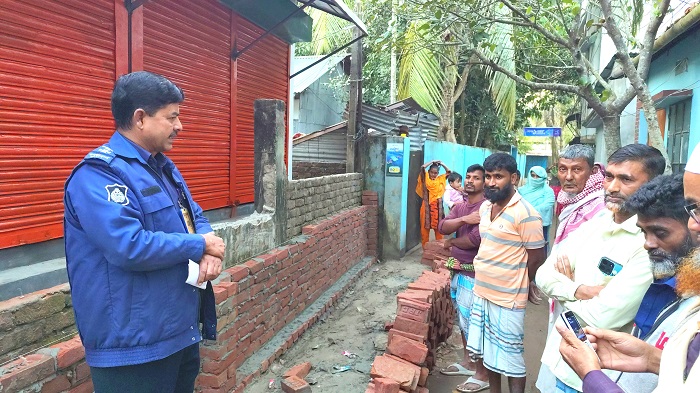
354, 100
393, 66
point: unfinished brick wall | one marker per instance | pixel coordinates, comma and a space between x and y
255, 301
306, 170
310, 200
31, 321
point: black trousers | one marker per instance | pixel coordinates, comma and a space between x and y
174, 374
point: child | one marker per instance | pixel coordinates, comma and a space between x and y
453, 193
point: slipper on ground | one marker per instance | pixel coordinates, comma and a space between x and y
456, 369
482, 385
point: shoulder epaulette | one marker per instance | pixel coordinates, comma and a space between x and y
104, 153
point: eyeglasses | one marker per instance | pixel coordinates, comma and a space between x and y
693, 211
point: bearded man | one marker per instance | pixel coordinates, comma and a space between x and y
676, 365
571, 275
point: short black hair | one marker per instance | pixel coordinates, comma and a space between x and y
517, 172
498, 161
144, 90
661, 197
454, 176
434, 165
475, 167
651, 158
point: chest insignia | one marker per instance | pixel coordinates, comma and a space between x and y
117, 193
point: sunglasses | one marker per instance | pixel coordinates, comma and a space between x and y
693, 211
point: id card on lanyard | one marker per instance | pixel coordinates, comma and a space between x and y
182, 201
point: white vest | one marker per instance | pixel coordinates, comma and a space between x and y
659, 337
673, 358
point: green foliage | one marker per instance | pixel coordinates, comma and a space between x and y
478, 122
420, 74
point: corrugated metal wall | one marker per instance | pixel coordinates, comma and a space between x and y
388, 121
56, 75
189, 42
331, 147
262, 72
57, 70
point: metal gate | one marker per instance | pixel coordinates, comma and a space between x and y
56, 75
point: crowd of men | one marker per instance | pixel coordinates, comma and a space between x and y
622, 260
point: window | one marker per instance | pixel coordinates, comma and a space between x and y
678, 134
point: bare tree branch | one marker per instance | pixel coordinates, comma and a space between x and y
533, 85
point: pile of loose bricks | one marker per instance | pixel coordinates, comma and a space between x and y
424, 319
435, 254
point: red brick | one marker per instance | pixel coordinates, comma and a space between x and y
26, 371
416, 369
69, 352
238, 272
416, 295
417, 311
220, 294
411, 326
388, 325
212, 380
82, 371
55, 385
295, 385
407, 349
423, 380
386, 367
254, 266
300, 370
422, 390
85, 387
385, 385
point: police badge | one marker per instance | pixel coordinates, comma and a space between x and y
117, 193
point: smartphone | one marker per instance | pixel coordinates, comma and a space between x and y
573, 324
609, 267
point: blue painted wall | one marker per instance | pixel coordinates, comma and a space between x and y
459, 157
534, 161
662, 76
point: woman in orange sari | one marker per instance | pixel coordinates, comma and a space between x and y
431, 188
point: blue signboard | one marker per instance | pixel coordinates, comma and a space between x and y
394, 159
542, 131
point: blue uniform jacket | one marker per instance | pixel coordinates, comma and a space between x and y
127, 251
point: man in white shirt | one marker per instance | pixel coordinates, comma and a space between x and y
572, 278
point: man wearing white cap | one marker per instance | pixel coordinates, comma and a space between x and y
677, 365
572, 275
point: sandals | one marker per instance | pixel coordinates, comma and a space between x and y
482, 385
461, 370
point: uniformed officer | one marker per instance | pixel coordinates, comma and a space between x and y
132, 232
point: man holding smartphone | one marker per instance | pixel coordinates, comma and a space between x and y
571, 275
677, 366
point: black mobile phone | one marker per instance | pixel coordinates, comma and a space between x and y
574, 325
609, 267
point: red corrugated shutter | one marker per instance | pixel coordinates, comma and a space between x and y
262, 72
190, 43
56, 77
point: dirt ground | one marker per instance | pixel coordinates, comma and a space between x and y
356, 325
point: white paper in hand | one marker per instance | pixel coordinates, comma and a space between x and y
193, 275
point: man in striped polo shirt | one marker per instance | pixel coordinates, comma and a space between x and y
511, 250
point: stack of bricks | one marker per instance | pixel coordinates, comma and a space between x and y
424, 319
435, 254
